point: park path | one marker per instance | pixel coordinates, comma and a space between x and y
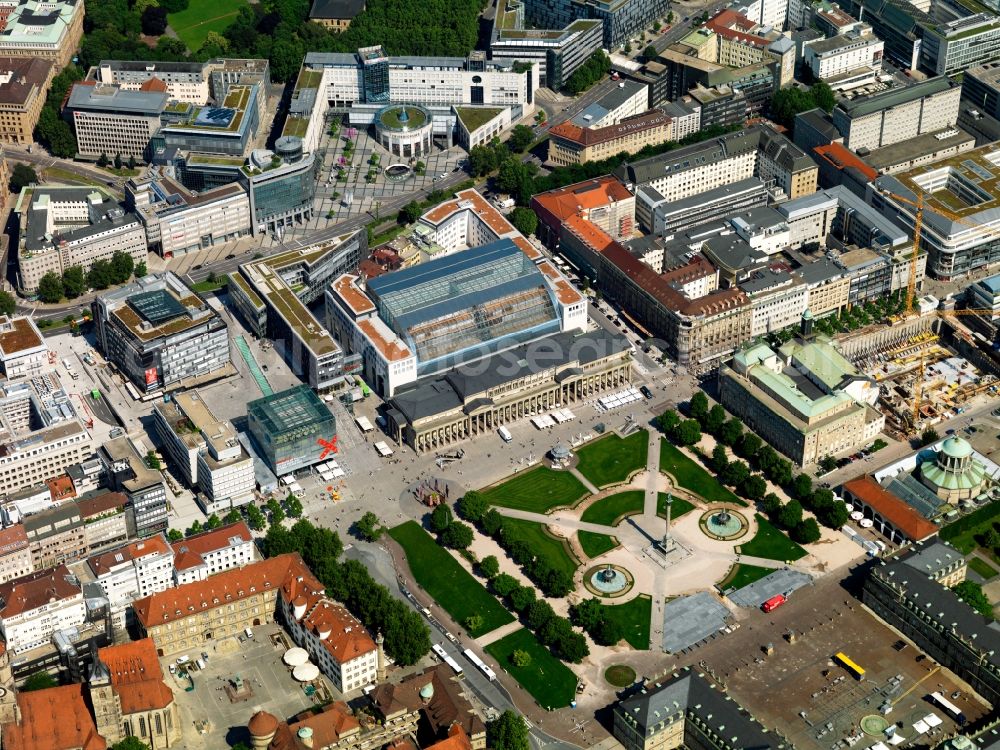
761, 562
652, 475
555, 519
586, 482
497, 633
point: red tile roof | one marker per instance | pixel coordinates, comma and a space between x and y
53, 719
61, 488
101, 504
136, 676
154, 84
337, 629
902, 516
457, 740
107, 561
571, 200
328, 727
841, 157
218, 590
36, 590
12, 539
189, 552
584, 137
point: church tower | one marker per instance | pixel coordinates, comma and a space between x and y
107, 709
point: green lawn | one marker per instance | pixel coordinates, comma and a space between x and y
693, 477
771, 543
611, 459
451, 585
539, 490
544, 545
980, 566
961, 534
610, 510
595, 545
192, 25
634, 618
550, 682
742, 575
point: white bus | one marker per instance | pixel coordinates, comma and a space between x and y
442, 654
504, 433
69, 368
454, 665
954, 711
480, 664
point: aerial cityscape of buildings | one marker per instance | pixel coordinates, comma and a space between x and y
625, 375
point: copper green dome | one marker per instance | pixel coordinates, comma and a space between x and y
956, 447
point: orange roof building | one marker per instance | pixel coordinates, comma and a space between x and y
892, 516
336, 641
572, 144
202, 555
178, 619
53, 719
129, 696
334, 724
604, 202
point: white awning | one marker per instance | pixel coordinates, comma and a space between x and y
307, 672
295, 657
933, 720
338, 473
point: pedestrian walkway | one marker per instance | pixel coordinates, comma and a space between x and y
586, 482
652, 475
244, 347
497, 633
555, 519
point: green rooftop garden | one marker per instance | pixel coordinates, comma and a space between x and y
393, 118
296, 126
309, 79
474, 118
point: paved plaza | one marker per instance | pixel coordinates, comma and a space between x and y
783, 581
689, 620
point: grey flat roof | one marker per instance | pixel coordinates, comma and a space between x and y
820, 121
452, 389
142, 66
687, 693
866, 105
818, 271
34, 233
921, 145
110, 98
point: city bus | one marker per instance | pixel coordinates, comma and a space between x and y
954, 711
850, 666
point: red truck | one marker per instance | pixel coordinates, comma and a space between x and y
774, 602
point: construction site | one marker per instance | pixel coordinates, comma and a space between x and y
926, 374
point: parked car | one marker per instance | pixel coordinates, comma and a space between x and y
644, 390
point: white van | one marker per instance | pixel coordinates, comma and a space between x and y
199, 663
504, 433
248, 633
183, 659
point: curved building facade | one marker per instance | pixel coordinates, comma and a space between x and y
404, 130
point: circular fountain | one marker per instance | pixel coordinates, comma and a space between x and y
608, 580
724, 524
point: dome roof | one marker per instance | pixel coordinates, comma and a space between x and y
807, 315
427, 691
560, 450
262, 724
956, 447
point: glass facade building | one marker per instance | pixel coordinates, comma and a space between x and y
466, 305
281, 195
292, 429
375, 73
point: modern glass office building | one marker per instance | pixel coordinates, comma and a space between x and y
281, 189
466, 305
375, 72
292, 429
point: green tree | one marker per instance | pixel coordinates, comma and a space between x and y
715, 419
255, 518
504, 584
586, 614
507, 732
474, 622
520, 658
154, 21
790, 514
368, 527
748, 445
39, 681
232, 516
103, 160
520, 138
836, 515
698, 407
538, 615
293, 506
152, 461
753, 487
50, 288
472, 506
20, 177
213, 522
411, 212
100, 275
524, 220
140, 269
458, 535
735, 474
122, 266
827, 464
274, 508
595, 68
650, 53
521, 598
806, 531
720, 459
74, 282
489, 566
8, 304
668, 421
175, 535
929, 436
194, 528
801, 487
118, 161
441, 518
770, 504
133, 743
131, 162
972, 594
687, 432
730, 432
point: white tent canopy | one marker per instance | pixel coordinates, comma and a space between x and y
306, 672
295, 657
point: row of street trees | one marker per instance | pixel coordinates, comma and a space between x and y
73, 282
